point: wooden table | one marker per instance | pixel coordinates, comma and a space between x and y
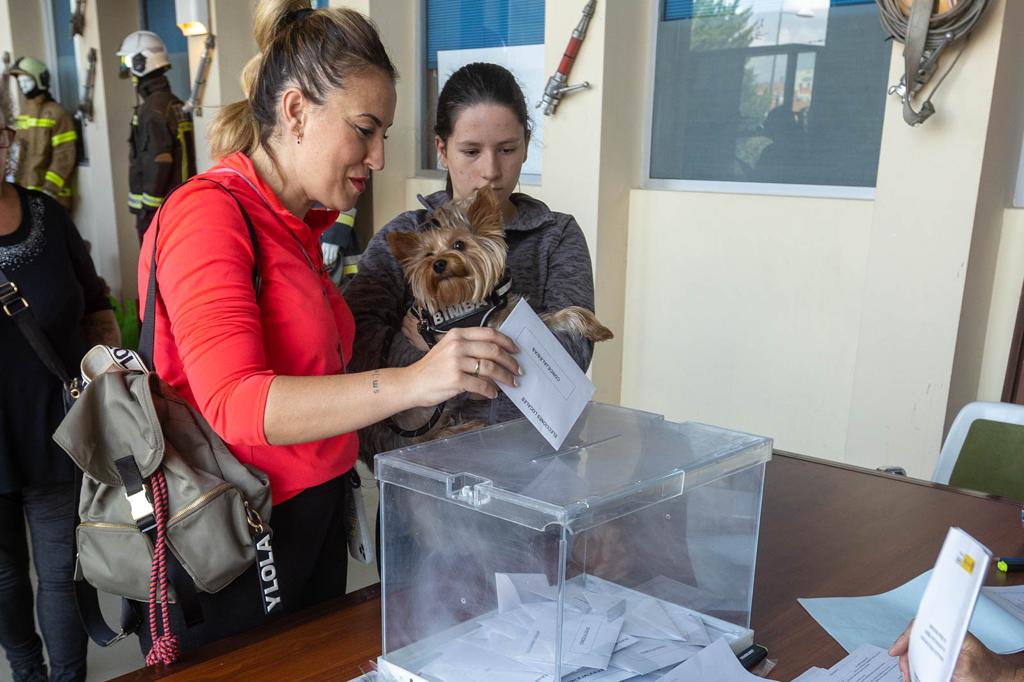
826, 530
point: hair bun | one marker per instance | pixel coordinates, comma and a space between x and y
273, 16
295, 16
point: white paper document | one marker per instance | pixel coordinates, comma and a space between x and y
866, 664
553, 390
715, 662
946, 607
517, 641
1011, 599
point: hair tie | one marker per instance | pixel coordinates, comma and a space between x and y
296, 16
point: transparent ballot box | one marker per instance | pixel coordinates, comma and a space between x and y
616, 557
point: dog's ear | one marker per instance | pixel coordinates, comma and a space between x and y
485, 213
403, 244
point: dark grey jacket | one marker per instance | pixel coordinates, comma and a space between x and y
550, 266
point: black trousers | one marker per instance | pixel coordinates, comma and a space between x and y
51, 518
310, 541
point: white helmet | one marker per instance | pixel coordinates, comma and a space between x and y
142, 52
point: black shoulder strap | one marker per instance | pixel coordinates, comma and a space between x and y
17, 308
147, 334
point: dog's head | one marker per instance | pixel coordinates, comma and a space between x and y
459, 258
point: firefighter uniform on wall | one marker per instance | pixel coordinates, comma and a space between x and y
161, 147
46, 135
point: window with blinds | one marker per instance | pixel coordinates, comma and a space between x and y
785, 92
507, 32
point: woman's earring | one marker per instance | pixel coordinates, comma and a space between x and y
298, 138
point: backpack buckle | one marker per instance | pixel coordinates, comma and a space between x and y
142, 510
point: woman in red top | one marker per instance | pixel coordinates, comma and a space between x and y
267, 370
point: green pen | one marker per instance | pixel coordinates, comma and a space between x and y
1010, 564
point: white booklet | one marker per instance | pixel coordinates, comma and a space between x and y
553, 390
947, 606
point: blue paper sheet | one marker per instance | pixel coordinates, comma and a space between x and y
879, 619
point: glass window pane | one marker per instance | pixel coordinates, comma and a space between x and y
499, 31
775, 91
66, 71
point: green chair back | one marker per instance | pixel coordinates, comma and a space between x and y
992, 459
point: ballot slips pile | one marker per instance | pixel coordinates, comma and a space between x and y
608, 633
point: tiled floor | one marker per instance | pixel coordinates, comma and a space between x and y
125, 656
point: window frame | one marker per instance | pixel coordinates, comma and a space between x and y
656, 8
50, 46
49, 26
422, 172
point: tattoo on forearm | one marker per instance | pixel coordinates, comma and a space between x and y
375, 381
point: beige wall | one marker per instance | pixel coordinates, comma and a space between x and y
743, 311
1006, 294
930, 202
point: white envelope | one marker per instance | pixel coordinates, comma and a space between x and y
715, 662
648, 655
553, 390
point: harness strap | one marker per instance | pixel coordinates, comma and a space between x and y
477, 316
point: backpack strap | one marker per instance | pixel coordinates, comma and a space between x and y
148, 333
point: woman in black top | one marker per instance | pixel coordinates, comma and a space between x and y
42, 253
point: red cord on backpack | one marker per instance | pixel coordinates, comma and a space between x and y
165, 647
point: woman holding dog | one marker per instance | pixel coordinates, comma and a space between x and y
481, 137
270, 368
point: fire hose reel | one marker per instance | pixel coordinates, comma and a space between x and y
926, 28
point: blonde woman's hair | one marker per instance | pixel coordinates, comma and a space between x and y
315, 50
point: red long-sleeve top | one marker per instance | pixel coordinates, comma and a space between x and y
219, 346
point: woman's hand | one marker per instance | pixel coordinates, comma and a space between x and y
468, 360
411, 331
976, 663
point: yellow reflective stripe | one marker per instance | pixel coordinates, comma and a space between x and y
55, 179
64, 193
346, 219
184, 127
350, 269
69, 136
26, 122
38, 189
152, 201
134, 200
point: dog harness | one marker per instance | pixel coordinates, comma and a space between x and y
463, 315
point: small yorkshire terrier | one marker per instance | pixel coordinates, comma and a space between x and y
458, 264
456, 270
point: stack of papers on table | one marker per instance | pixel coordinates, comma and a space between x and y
866, 664
608, 633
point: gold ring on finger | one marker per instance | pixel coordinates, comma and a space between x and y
476, 372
